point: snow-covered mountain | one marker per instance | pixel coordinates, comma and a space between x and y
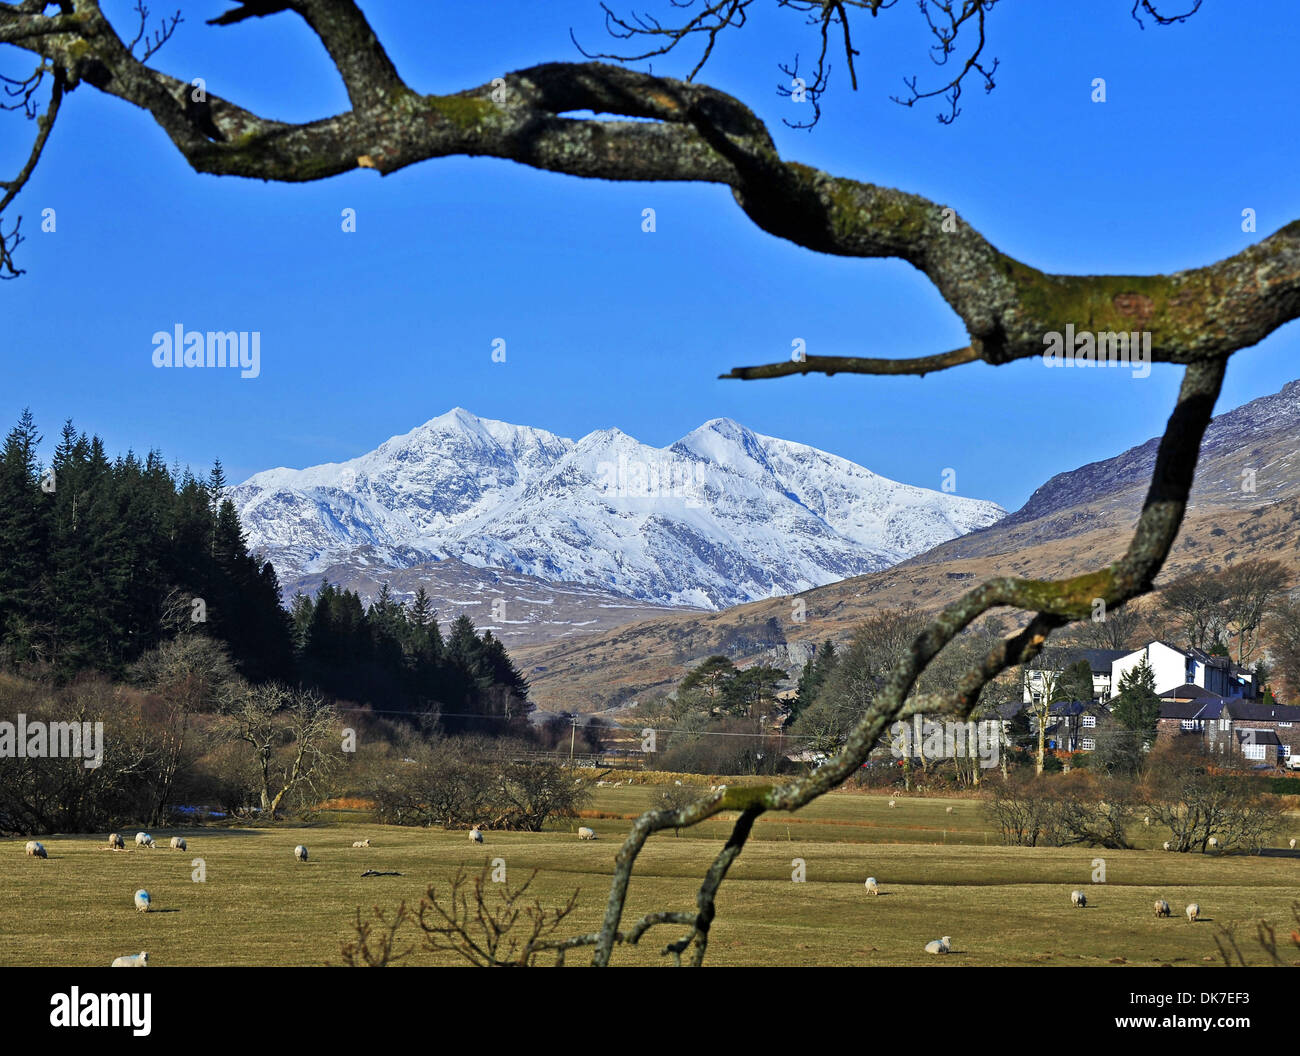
723, 516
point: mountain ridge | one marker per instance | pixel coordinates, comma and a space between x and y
721, 516
1077, 521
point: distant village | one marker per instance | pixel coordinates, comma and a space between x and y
1202, 696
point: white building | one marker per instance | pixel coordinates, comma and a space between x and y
1101, 661
1174, 667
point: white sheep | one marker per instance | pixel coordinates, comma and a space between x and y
300, 852
1193, 911
585, 833
1212, 844
1079, 899
115, 841
948, 810
36, 849
133, 960
1168, 846
943, 945
475, 836
872, 887
1146, 821
143, 839
1162, 908
676, 782
361, 843
1293, 843
178, 843
142, 900
891, 804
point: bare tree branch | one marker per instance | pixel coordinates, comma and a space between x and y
689, 132
9, 241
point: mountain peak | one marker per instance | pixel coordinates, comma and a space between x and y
723, 515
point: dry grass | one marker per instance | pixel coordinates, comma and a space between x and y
940, 874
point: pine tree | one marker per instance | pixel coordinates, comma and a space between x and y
1136, 707
1075, 683
24, 518
421, 609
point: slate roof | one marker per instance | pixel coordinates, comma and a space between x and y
1257, 711
1257, 737
1191, 709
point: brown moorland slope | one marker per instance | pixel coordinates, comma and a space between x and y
1246, 503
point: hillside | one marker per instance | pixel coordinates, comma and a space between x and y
1074, 522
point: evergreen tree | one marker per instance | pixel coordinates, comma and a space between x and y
710, 676
1075, 683
1137, 708
816, 670
113, 558
24, 518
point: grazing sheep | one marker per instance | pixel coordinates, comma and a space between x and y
947, 810
475, 836
178, 843
891, 804
143, 839
676, 782
1162, 908
362, 843
872, 887
1079, 899
300, 852
133, 960
1212, 843
36, 849
115, 841
1193, 911
1293, 843
142, 900
1146, 821
1168, 846
943, 945
585, 833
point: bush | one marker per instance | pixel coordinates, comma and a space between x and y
1195, 803
461, 782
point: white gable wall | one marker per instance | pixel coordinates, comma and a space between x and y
1168, 665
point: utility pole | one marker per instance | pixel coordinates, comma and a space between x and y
572, 737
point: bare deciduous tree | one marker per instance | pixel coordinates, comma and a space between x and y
291, 733
1117, 629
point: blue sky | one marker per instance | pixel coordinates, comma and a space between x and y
367, 335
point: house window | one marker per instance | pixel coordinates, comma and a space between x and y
1254, 751
1190, 724
1089, 721
1087, 744
1225, 724
1285, 725
1038, 698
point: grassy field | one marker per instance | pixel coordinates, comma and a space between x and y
940, 874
